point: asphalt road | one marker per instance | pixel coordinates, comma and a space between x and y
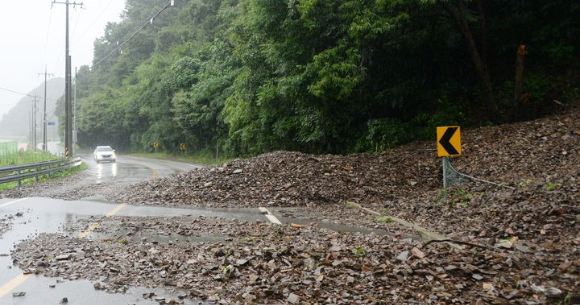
49, 215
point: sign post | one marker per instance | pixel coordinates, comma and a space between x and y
182, 147
156, 145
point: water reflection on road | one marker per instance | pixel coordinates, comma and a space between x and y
106, 172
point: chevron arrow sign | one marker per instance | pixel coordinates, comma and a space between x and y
448, 141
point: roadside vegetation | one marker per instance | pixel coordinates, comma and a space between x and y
244, 77
29, 157
55, 175
25, 157
203, 159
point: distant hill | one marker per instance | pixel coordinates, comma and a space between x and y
16, 123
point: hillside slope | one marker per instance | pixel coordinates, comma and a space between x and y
16, 123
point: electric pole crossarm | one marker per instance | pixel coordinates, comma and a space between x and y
68, 3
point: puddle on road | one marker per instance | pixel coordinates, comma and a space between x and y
335, 227
45, 290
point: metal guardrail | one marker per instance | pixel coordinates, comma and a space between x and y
25, 171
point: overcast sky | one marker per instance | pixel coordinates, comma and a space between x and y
32, 36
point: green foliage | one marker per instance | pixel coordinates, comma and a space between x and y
358, 251
384, 219
386, 133
227, 269
551, 186
243, 77
25, 157
203, 157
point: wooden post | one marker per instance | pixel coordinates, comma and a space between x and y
519, 81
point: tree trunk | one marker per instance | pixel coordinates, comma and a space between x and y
483, 29
519, 82
480, 65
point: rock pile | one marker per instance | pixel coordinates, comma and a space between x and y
265, 263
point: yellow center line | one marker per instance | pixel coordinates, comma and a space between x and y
116, 210
154, 171
89, 230
13, 283
19, 279
97, 224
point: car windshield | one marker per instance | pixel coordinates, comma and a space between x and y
104, 148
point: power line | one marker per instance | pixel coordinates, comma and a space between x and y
47, 35
16, 92
77, 20
150, 21
93, 23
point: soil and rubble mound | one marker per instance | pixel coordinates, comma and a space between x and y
266, 263
543, 151
283, 179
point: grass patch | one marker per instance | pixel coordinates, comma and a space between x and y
384, 219
25, 157
195, 159
358, 251
551, 186
455, 196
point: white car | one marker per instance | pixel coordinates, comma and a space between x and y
104, 153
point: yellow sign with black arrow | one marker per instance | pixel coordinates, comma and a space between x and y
448, 141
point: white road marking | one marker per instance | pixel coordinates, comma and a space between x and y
270, 216
273, 219
11, 202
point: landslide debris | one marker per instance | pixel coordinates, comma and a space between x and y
544, 152
266, 263
521, 244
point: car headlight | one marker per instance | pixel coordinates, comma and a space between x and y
114, 156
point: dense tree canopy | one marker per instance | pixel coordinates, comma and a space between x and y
243, 77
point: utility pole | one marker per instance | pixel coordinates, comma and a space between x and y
44, 138
30, 121
34, 123
67, 89
75, 115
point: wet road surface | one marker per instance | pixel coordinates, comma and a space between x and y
49, 216
132, 169
43, 215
